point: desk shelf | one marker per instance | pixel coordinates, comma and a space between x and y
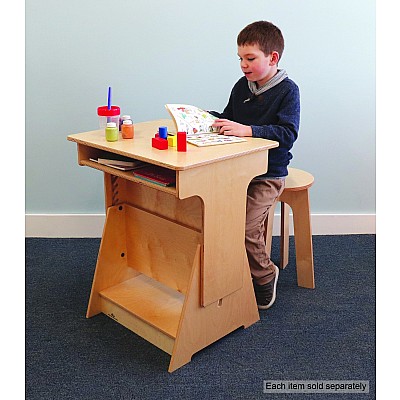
151, 301
128, 175
147, 307
86, 153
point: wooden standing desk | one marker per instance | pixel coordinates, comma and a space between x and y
172, 265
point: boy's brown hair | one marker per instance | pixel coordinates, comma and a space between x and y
268, 37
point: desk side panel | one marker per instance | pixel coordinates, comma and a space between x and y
223, 188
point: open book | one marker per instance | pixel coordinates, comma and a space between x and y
197, 123
191, 119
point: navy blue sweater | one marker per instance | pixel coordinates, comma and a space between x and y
274, 115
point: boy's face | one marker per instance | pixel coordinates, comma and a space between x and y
256, 66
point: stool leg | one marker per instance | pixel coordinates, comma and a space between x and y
300, 205
284, 235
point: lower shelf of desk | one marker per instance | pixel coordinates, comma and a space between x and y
147, 307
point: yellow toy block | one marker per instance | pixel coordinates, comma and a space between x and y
172, 140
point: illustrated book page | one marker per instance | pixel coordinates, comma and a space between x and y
197, 123
191, 119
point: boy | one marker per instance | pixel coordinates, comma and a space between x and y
264, 103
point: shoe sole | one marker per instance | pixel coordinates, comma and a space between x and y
274, 292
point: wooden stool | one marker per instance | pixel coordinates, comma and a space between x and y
295, 195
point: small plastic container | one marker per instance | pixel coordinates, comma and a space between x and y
106, 115
127, 129
122, 119
111, 132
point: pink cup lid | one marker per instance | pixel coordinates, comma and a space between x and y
103, 111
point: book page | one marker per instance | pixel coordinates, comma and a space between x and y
191, 119
202, 140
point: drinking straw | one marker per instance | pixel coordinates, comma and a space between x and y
109, 98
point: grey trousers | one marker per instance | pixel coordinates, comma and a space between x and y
261, 195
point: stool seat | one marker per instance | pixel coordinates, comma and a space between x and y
296, 196
298, 179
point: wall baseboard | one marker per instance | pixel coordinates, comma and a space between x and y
91, 225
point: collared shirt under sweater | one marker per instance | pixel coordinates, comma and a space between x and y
274, 115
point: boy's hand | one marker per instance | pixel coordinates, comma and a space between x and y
230, 128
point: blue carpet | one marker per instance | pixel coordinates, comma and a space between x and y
322, 334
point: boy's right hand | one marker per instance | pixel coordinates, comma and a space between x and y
231, 128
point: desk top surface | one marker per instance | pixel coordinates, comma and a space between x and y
140, 147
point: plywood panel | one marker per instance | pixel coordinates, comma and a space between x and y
159, 248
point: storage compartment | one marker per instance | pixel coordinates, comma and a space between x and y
143, 273
146, 307
86, 153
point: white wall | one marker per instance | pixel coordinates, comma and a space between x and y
155, 52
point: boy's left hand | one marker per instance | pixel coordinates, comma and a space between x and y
227, 127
